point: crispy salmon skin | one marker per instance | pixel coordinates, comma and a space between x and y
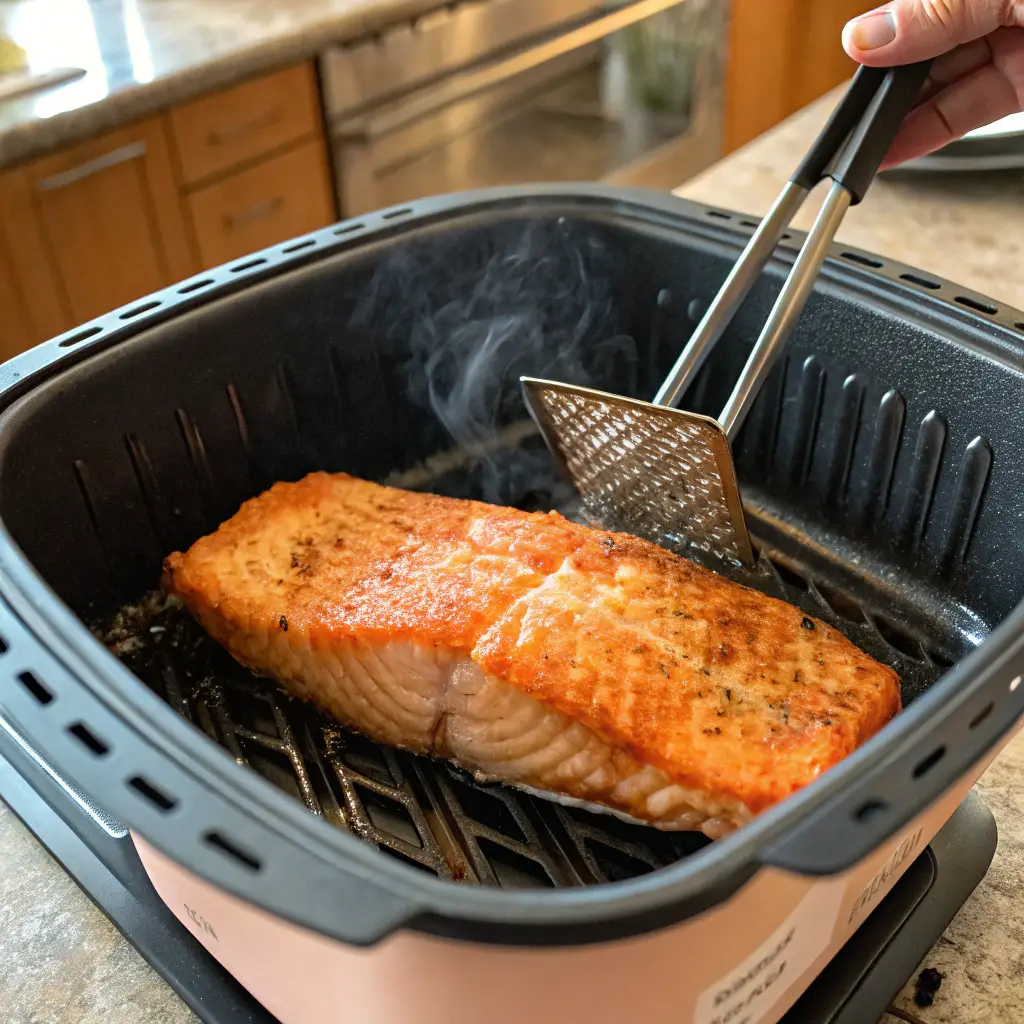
588, 665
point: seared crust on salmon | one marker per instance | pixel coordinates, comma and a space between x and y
534, 651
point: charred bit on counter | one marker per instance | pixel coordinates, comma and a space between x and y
926, 986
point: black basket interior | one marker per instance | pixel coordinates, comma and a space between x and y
879, 468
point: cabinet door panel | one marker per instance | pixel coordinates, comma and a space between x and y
245, 122
111, 216
32, 306
278, 199
783, 54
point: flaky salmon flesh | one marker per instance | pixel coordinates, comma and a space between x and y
588, 666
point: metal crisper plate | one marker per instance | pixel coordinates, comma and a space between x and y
427, 813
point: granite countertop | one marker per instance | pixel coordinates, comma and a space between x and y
141, 56
64, 963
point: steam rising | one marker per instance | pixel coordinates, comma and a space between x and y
471, 313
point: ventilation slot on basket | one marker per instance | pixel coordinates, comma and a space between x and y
977, 305
89, 739
195, 286
240, 420
150, 491
139, 310
160, 800
36, 688
922, 282
925, 766
981, 715
864, 261
197, 453
219, 842
870, 809
80, 336
247, 265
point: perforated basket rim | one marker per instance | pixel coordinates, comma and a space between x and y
308, 869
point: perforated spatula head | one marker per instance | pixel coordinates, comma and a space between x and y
649, 470
652, 470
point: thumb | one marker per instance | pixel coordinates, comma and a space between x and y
905, 31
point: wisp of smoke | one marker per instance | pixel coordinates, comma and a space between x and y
472, 314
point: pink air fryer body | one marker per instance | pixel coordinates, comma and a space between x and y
744, 962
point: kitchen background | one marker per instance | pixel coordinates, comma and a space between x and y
142, 141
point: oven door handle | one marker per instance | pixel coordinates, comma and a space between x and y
391, 117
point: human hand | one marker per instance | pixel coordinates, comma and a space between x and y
977, 78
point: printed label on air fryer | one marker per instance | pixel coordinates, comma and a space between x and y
749, 991
905, 850
199, 921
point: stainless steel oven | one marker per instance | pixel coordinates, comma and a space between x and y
501, 92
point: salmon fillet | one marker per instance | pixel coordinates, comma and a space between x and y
591, 666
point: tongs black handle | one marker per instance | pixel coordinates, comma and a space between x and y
849, 150
866, 120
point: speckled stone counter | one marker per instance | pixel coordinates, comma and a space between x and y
141, 56
61, 960
970, 230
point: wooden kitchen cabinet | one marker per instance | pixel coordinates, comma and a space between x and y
234, 126
783, 54
32, 304
284, 196
107, 221
254, 165
110, 214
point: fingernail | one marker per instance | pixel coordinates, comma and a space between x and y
873, 30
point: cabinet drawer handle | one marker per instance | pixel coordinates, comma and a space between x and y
224, 135
121, 155
257, 211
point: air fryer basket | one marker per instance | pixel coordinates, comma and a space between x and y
881, 468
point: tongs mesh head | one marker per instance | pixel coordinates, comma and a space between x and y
652, 471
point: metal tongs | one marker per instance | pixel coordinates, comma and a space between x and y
653, 470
